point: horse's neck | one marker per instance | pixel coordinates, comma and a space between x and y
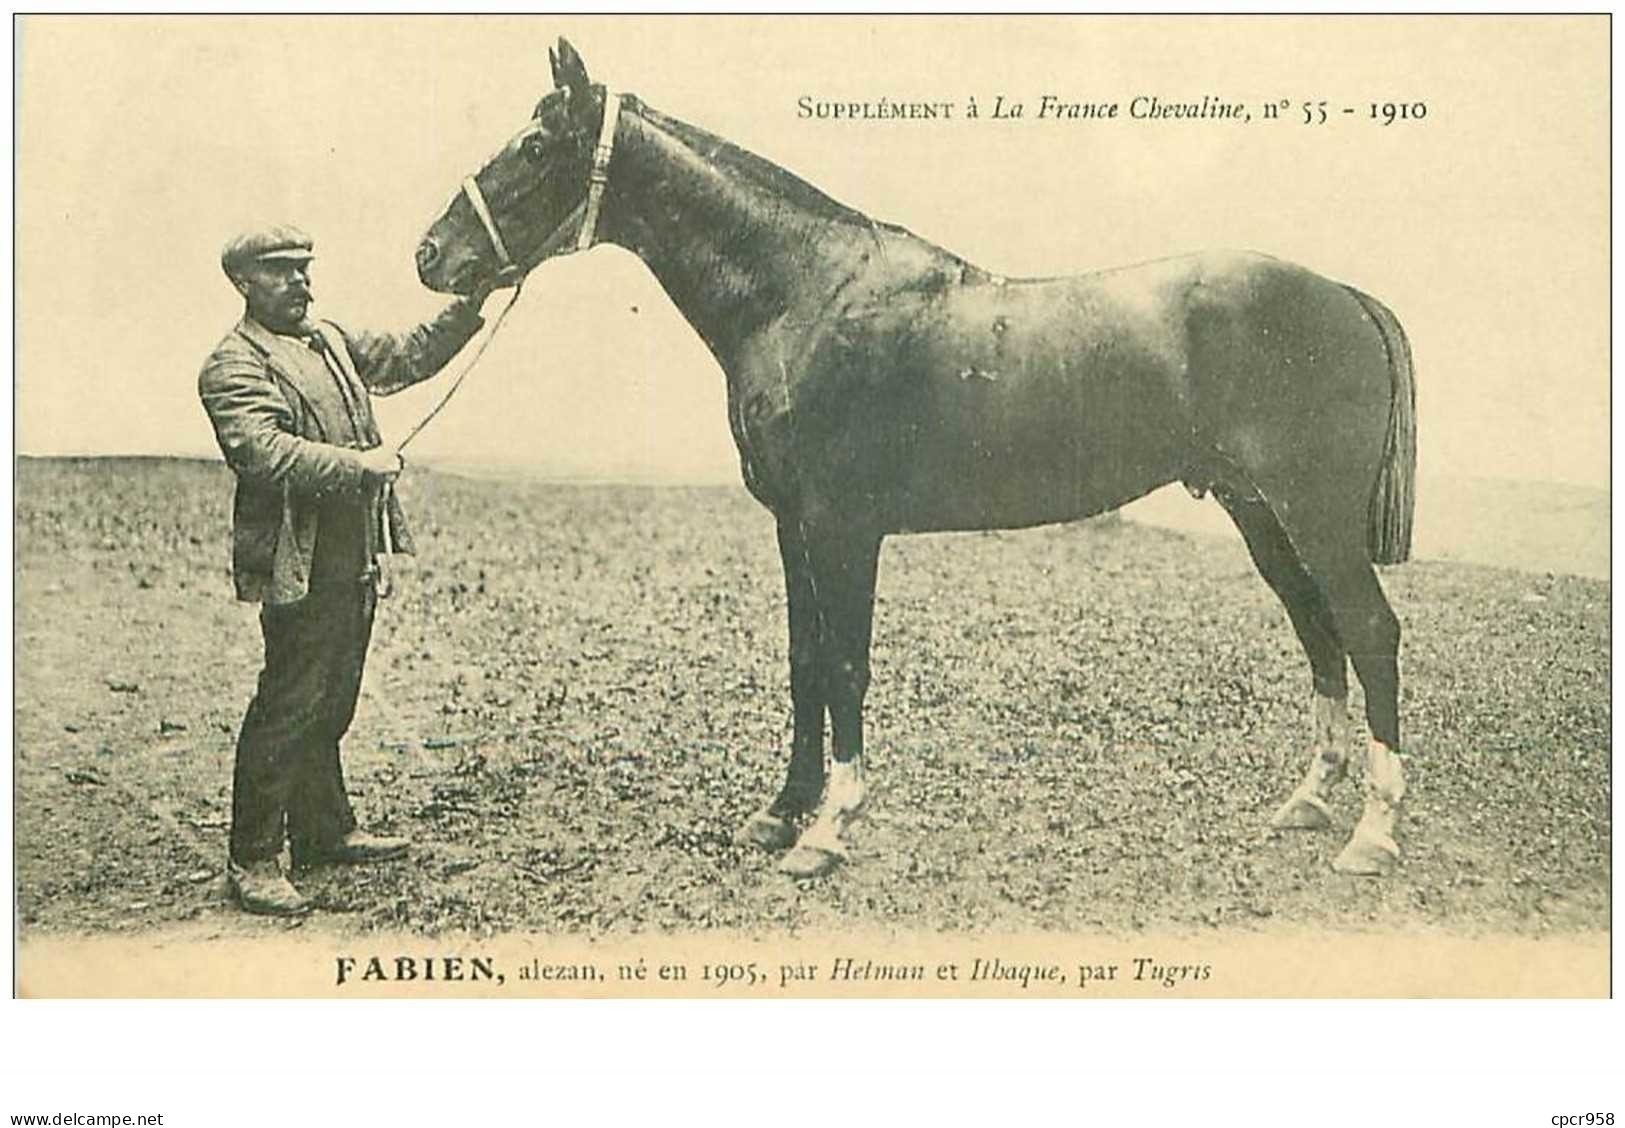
731, 252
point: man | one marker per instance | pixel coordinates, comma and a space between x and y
288, 400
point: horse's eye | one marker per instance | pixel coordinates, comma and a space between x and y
534, 148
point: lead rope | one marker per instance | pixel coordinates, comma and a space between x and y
598, 181
467, 368
385, 585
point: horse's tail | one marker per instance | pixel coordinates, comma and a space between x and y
1392, 507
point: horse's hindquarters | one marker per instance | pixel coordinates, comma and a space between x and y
1290, 388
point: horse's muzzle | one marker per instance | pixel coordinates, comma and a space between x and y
428, 254
434, 269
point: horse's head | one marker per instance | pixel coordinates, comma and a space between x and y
526, 204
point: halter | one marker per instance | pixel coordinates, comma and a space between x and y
471, 189
597, 182
598, 179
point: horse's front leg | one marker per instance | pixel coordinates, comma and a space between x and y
773, 828
844, 566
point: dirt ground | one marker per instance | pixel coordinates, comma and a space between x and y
577, 694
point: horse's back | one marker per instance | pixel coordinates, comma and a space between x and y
942, 397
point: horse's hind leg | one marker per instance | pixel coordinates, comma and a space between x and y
1277, 562
1371, 629
1336, 556
773, 828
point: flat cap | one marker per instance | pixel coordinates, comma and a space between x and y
282, 241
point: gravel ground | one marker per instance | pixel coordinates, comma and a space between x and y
578, 693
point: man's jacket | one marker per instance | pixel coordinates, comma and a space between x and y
290, 422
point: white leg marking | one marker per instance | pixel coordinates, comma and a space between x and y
1371, 850
1330, 717
823, 841
1305, 808
844, 793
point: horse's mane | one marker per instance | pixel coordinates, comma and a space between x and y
747, 166
730, 157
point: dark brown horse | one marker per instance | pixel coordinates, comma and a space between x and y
878, 384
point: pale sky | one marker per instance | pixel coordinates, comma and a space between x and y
145, 142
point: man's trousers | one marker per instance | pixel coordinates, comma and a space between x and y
288, 779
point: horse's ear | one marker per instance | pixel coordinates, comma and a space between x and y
569, 71
553, 61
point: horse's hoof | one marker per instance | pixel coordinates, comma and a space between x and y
1368, 855
810, 861
1303, 810
767, 832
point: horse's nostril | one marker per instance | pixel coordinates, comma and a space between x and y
428, 254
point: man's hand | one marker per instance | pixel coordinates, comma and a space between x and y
382, 462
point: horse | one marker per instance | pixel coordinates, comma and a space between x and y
878, 384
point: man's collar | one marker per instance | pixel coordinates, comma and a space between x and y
266, 339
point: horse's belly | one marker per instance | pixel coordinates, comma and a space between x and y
985, 406
1007, 450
